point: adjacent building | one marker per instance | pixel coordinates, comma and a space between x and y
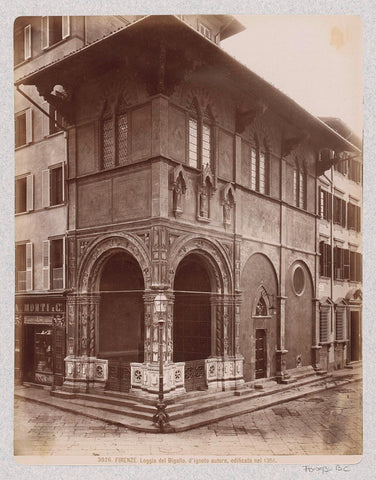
171, 202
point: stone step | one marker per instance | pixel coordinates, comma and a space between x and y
222, 413
108, 407
125, 419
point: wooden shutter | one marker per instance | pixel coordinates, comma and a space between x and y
63, 182
329, 259
46, 188
340, 323
336, 262
30, 193
324, 324
321, 245
29, 266
65, 26
27, 42
29, 125
45, 34
63, 262
343, 210
46, 264
358, 215
346, 264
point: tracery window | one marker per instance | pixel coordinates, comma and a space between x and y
300, 185
114, 137
260, 166
200, 139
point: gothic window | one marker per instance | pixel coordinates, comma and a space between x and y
260, 165
261, 308
114, 135
300, 185
200, 139
193, 142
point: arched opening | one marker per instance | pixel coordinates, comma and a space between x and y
192, 310
121, 318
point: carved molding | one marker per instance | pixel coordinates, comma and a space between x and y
99, 251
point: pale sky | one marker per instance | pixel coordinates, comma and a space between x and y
315, 60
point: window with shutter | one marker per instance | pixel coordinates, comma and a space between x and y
65, 26
27, 42
346, 264
29, 266
46, 264
56, 261
324, 323
340, 323
45, 32
352, 266
20, 264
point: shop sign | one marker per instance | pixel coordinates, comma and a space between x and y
38, 320
41, 307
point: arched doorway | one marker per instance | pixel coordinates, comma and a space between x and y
121, 318
192, 319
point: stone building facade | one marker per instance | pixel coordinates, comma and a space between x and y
190, 192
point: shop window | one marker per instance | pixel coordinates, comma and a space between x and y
325, 259
53, 186
22, 44
23, 128
43, 353
54, 29
24, 194
353, 217
53, 264
325, 204
24, 267
260, 166
324, 323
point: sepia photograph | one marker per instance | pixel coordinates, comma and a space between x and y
188, 239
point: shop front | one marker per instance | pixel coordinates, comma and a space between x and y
40, 339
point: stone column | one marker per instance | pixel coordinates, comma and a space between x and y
316, 347
281, 351
83, 371
145, 376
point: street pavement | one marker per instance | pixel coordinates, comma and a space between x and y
325, 423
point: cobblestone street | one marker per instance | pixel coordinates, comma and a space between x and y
325, 423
